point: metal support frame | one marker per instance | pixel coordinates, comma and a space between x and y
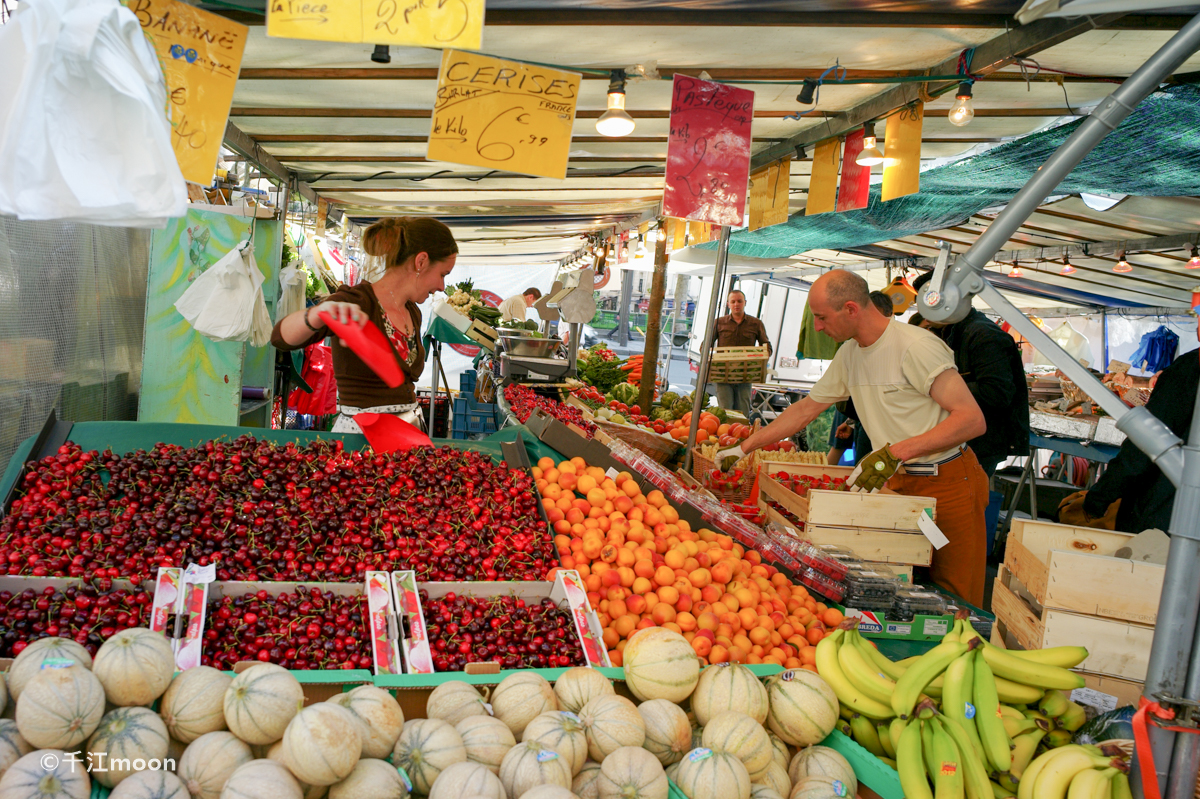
623, 311
1174, 669
706, 346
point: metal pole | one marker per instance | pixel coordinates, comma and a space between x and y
706, 346
680, 289
623, 311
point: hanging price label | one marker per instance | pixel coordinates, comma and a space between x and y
415, 23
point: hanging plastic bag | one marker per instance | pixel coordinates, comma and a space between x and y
83, 129
226, 302
291, 291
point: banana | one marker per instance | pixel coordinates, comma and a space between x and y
1037, 715
895, 728
1053, 703
955, 632
1120, 787
863, 676
957, 694
920, 674
1015, 693
866, 735
889, 668
1008, 782
931, 766
1028, 672
1073, 718
883, 729
1023, 751
847, 694
845, 711
910, 763
1056, 776
1068, 657
1015, 728
988, 720
970, 634
1091, 783
1025, 787
975, 776
890, 761
1057, 738
948, 777
1011, 712
1000, 792
843, 727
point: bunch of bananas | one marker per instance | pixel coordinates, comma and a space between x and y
978, 742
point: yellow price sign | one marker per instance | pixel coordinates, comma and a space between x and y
503, 115
201, 54
416, 23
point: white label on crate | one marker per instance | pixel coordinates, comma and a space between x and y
931, 530
1093, 698
536, 376
612, 473
899, 629
936, 627
488, 708
197, 574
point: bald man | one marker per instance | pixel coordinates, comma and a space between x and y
917, 411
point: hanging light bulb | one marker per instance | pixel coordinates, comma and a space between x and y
1067, 268
870, 155
961, 112
1194, 261
615, 122
1016, 270
1122, 264
640, 252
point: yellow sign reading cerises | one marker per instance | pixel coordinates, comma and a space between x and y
418, 23
201, 54
503, 115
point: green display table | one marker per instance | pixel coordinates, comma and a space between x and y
442, 331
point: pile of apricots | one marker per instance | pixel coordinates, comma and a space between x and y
645, 567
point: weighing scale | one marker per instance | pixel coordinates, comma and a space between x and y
565, 302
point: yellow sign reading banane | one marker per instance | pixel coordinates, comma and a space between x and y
416, 23
503, 115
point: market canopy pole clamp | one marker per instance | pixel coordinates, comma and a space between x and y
1174, 670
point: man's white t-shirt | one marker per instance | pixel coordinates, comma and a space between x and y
513, 308
889, 382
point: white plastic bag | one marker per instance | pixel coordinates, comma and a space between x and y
83, 128
291, 291
226, 302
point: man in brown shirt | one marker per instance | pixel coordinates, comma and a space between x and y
738, 330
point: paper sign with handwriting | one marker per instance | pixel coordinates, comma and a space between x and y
416, 23
503, 115
200, 54
708, 152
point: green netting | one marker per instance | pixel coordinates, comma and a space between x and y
1154, 153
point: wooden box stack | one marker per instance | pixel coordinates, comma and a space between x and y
1061, 585
880, 528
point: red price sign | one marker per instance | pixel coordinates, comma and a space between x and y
708, 152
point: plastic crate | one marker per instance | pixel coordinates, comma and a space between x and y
466, 382
471, 417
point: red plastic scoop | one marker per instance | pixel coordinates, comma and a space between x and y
389, 433
369, 344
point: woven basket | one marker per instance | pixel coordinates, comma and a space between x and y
653, 445
702, 464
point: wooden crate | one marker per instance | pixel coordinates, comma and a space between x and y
1071, 568
905, 573
883, 511
738, 365
880, 546
581, 405
1115, 648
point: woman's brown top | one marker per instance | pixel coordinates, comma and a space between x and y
359, 386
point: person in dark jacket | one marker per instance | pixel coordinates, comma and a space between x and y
990, 362
1146, 494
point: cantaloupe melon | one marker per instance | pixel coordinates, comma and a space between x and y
578, 686
486, 739
660, 664
697, 732
586, 784
60, 708
520, 697
175, 750
195, 703
128, 740
275, 752
454, 701
760, 790
150, 785
803, 707
379, 716
261, 779
135, 666
816, 787
467, 779
705, 774
668, 731
741, 736
782, 754
46, 774
632, 773
29, 662
548, 792
822, 761
529, 764
776, 777
12, 746
673, 771
209, 760
261, 701
427, 747
562, 731
729, 686
611, 722
371, 779
322, 743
